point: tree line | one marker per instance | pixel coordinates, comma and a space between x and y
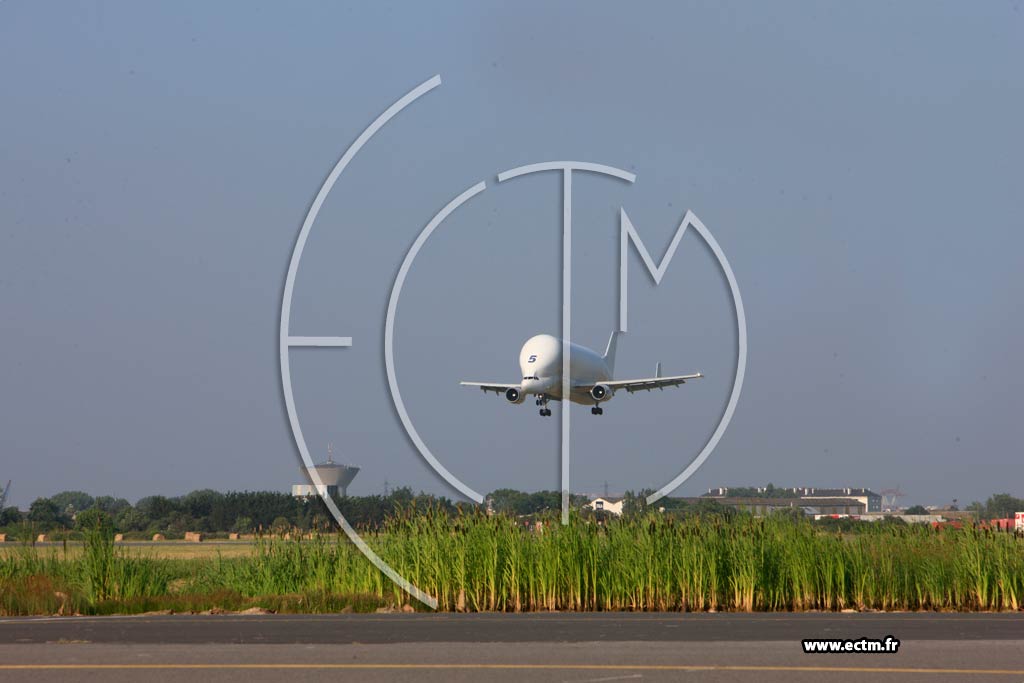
999, 506
207, 510
211, 511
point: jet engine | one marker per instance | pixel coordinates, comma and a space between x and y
601, 392
513, 395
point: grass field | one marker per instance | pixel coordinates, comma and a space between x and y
180, 550
479, 563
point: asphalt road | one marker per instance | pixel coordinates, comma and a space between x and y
510, 628
554, 647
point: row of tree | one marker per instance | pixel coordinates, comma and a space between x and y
999, 506
211, 511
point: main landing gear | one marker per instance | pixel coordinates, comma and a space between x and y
597, 410
543, 403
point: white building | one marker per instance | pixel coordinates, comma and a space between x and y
612, 505
871, 501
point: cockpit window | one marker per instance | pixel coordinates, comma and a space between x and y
534, 377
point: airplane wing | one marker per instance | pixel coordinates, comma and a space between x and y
650, 383
491, 386
647, 383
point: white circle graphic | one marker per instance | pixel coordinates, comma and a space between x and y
287, 340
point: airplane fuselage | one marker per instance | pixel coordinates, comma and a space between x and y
590, 375
540, 361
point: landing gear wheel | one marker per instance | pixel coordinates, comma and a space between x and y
596, 410
543, 403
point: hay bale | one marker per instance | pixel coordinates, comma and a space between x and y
118, 538
41, 538
159, 537
232, 537
193, 536
3, 538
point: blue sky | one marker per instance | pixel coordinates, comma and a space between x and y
860, 165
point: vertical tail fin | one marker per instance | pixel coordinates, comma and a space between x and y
609, 352
657, 369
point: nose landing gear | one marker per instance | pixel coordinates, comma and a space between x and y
597, 410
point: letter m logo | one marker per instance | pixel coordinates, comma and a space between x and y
627, 234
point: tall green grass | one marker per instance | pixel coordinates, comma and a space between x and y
33, 581
478, 563
481, 563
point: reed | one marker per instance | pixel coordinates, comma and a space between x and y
472, 562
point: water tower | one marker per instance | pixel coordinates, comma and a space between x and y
334, 477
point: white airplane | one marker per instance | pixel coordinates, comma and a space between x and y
591, 375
